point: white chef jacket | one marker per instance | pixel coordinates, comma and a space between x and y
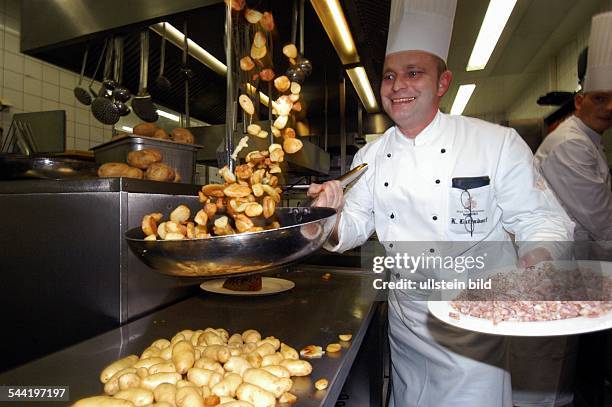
407, 195
572, 160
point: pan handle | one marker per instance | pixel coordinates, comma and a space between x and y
352, 175
345, 179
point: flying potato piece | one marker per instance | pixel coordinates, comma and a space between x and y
267, 74
201, 217
244, 172
258, 52
174, 236
277, 156
292, 145
269, 206
149, 227
252, 16
253, 209
243, 222
345, 337
294, 97
246, 104
227, 175
180, 214
257, 190
215, 190
295, 88
276, 132
237, 5
290, 51
289, 132
281, 122
246, 63
253, 129
282, 83
262, 134
283, 105
259, 40
237, 191
267, 21
297, 106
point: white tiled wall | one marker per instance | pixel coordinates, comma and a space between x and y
32, 85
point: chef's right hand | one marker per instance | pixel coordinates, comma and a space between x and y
328, 194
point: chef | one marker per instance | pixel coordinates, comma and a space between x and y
573, 164
572, 158
439, 178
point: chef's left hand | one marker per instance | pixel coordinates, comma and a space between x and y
535, 256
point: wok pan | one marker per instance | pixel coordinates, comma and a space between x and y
304, 231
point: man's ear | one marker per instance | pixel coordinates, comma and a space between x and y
578, 99
444, 82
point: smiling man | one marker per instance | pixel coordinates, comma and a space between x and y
434, 179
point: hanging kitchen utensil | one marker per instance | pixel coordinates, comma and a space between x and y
102, 106
187, 72
93, 78
162, 83
81, 94
142, 104
120, 94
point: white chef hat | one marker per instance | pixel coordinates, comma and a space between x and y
423, 25
599, 61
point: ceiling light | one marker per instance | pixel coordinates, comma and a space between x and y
168, 115
178, 38
493, 24
332, 17
360, 81
462, 98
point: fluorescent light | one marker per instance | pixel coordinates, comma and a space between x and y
126, 128
177, 38
168, 115
462, 98
493, 24
332, 17
360, 81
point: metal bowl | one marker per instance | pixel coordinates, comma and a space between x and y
304, 231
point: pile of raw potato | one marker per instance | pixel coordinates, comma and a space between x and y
208, 368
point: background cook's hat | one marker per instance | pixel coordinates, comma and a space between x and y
599, 61
421, 25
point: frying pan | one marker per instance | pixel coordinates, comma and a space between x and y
304, 230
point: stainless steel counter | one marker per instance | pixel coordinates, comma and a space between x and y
314, 312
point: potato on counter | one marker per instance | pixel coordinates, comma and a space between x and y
192, 378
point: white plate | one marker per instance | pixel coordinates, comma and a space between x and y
570, 326
269, 285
